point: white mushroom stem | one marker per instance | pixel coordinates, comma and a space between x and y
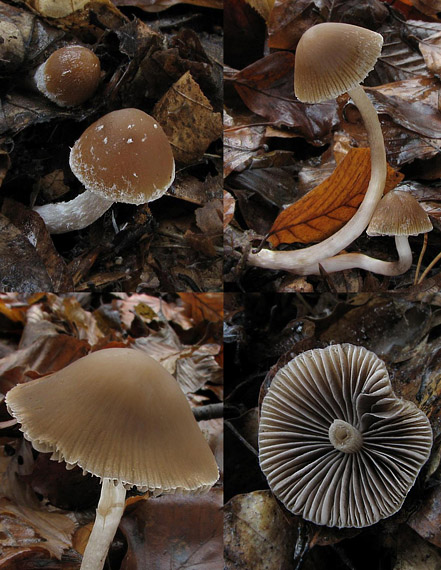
345, 437
294, 261
361, 261
108, 515
63, 217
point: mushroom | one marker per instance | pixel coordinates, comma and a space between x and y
119, 415
123, 157
337, 446
69, 76
331, 59
398, 214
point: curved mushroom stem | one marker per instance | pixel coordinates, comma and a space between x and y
361, 261
108, 514
63, 217
294, 261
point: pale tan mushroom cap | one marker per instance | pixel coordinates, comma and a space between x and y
125, 156
69, 76
314, 465
118, 414
332, 58
399, 214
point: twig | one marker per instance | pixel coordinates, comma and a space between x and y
420, 259
209, 412
429, 267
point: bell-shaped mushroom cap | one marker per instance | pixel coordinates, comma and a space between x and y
69, 76
125, 156
336, 445
118, 414
332, 58
399, 214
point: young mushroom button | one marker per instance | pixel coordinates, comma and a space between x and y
123, 157
119, 415
336, 445
332, 59
70, 76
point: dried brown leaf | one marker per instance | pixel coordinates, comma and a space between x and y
51, 531
243, 139
256, 533
21, 268
149, 309
267, 88
187, 532
229, 207
183, 111
204, 306
33, 227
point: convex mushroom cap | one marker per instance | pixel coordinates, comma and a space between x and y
118, 414
125, 156
399, 214
70, 76
333, 58
335, 443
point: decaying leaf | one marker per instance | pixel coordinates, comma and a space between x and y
50, 531
242, 141
158, 5
256, 534
263, 7
204, 306
267, 88
175, 531
133, 305
21, 268
184, 111
330, 205
229, 206
57, 8
33, 228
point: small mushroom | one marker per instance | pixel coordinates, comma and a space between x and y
335, 443
331, 59
123, 157
70, 76
398, 214
119, 415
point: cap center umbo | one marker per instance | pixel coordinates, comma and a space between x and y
345, 437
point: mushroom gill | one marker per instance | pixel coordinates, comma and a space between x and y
337, 446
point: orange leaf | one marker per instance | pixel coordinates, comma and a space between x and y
331, 204
204, 306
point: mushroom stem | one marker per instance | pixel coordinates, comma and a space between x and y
345, 437
294, 261
361, 261
108, 515
76, 214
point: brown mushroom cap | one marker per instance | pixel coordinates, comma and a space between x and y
125, 156
118, 414
335, 443
69, 76
399, 214
332, 58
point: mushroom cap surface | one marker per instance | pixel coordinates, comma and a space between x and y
118, 414
333, 58
125, 156
399, 214
307, 416
69, 76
